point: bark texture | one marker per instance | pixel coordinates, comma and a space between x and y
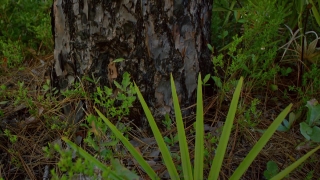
156, 38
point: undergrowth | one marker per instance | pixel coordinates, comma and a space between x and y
272, 44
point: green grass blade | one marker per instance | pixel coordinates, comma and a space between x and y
315, 12
199, 149
162, 146
90, 158
223, 142
260, 144
185, 157
286, 171
129, 146
229, 13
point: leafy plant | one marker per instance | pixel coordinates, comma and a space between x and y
12, 138
86, 164
310, 128
199, 149
25, 28
124, 94
167, 121
286, 125
12, 53
252, 52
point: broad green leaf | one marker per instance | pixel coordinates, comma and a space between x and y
315, 136
158, 136
223, 142
185, 157
90, 158
286, 171
313, 114
129, 146
272, 170
199, 144
260, 144
305, 130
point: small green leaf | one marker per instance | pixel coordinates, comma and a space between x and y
224, 34
286, 123
273, 87
217, 81
125, 80
117, 85
118, 60
45, 87
3, 102
89, 79
292, 118
282, 128
206, 78
210, 47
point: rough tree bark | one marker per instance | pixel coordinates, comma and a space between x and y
156, 38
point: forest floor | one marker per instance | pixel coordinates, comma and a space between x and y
24, 113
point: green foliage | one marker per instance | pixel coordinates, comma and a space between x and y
22, 97
167, 122
12, 138
252, 114
124, 94
293, 166
286, 125
186, 166
309, 176
99, 137
255, 59
24, 24
76, 90
272, 170
85, 164
253, 53
12, 53
310, 127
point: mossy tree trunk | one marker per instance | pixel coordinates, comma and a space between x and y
155, 38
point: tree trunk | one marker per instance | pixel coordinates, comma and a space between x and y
155, 38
